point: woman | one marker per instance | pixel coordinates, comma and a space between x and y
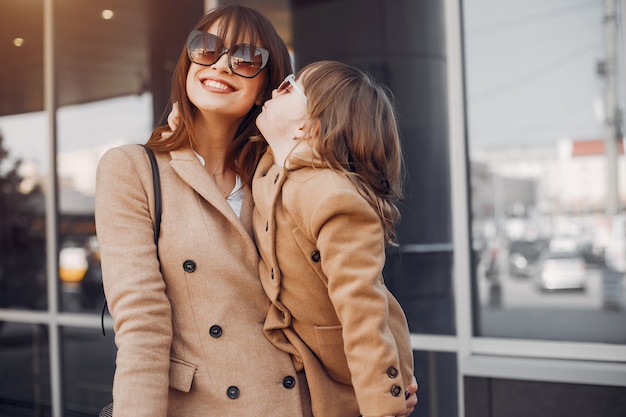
325, 208
189, 329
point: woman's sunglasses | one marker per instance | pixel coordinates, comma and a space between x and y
206, 49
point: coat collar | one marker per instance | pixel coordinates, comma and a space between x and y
186, 165
304, 157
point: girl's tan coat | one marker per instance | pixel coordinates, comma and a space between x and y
323, 250
191, 332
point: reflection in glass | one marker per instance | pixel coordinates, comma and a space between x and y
88, 367
103, 78
22, 225
25, 370
422, 284
22, 170
110, 123
549, 260
436, 374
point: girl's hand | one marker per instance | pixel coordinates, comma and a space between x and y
172, 118
172, 121
411, 399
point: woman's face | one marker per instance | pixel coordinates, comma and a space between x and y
284, 115
216, 89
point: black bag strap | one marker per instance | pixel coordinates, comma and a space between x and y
156, 182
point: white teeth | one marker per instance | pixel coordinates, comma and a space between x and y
215, 84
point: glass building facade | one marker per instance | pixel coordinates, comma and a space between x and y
512, 248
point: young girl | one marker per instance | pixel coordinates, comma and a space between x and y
325, 207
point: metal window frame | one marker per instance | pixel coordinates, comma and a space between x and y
567, 362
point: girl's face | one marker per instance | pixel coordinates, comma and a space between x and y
284, 116
216, 89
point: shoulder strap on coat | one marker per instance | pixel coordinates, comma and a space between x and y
156, 181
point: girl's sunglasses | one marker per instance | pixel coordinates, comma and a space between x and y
288, 82
206, 49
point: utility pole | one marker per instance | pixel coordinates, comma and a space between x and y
612, 279
612, 110
622, 7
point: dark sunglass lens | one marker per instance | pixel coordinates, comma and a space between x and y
203, 56
203, 48
284, 86
246, 61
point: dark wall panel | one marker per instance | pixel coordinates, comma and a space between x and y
401, 43
171, 22
515, 398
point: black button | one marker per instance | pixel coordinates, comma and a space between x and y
189, 266
276, 179
267, 226
272, 274
232, 392
289, 382
396, 390
315, 256
392, 372
215, 331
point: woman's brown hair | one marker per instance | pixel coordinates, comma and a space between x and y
355, 131
238, 22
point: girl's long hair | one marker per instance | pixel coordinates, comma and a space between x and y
355, 131
239, 22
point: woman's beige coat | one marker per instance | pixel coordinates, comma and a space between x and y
189, 336
323, 252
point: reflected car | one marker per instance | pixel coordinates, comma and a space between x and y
562, 271
524, 257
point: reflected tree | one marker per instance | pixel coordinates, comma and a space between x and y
22, 236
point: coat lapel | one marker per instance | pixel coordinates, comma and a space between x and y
186, 164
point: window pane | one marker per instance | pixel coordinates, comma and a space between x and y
23, 157
88, 366
422, 283
108, 123
549, 260
101, 106
436, 374
514, 398
25, 370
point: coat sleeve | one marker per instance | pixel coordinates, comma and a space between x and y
350, 239
133, 285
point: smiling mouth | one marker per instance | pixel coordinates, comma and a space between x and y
215, 84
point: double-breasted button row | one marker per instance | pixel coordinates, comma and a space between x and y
233, 391
189, 265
